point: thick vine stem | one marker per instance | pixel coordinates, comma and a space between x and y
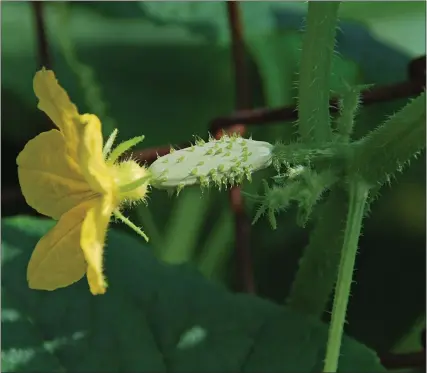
316, 276
358, 191
391, 146
329, 155
316, 62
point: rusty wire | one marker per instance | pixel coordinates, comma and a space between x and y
237, 122
266, 116
244, 271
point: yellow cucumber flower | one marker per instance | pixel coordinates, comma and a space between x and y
66, 174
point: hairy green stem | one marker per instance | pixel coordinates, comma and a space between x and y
329, 155
315, 70
316, 276
391, 146
358, 191
349, 104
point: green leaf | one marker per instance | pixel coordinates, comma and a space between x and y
154, 317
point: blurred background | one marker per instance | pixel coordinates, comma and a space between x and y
165, 70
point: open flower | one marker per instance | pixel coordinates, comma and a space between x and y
66, 174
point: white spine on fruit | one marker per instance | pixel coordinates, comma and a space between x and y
226, 161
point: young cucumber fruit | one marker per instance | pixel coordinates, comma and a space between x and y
222, 162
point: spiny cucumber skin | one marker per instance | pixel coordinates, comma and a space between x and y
222, 162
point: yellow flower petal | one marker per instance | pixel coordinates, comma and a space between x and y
54, 101
92, 240
50, 179
91, 160
57, 260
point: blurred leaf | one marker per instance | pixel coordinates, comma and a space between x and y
159, 81
141, 55
388, 20
217, 247
412, 341
183, 227
150, 311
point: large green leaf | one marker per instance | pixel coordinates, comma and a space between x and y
154, 317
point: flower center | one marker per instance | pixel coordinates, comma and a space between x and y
125, 173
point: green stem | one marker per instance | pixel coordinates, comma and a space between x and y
330, 155
391, 146
216, 249
317, 272
358, 197
349, 104
185, 222
315, 70
301, 153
